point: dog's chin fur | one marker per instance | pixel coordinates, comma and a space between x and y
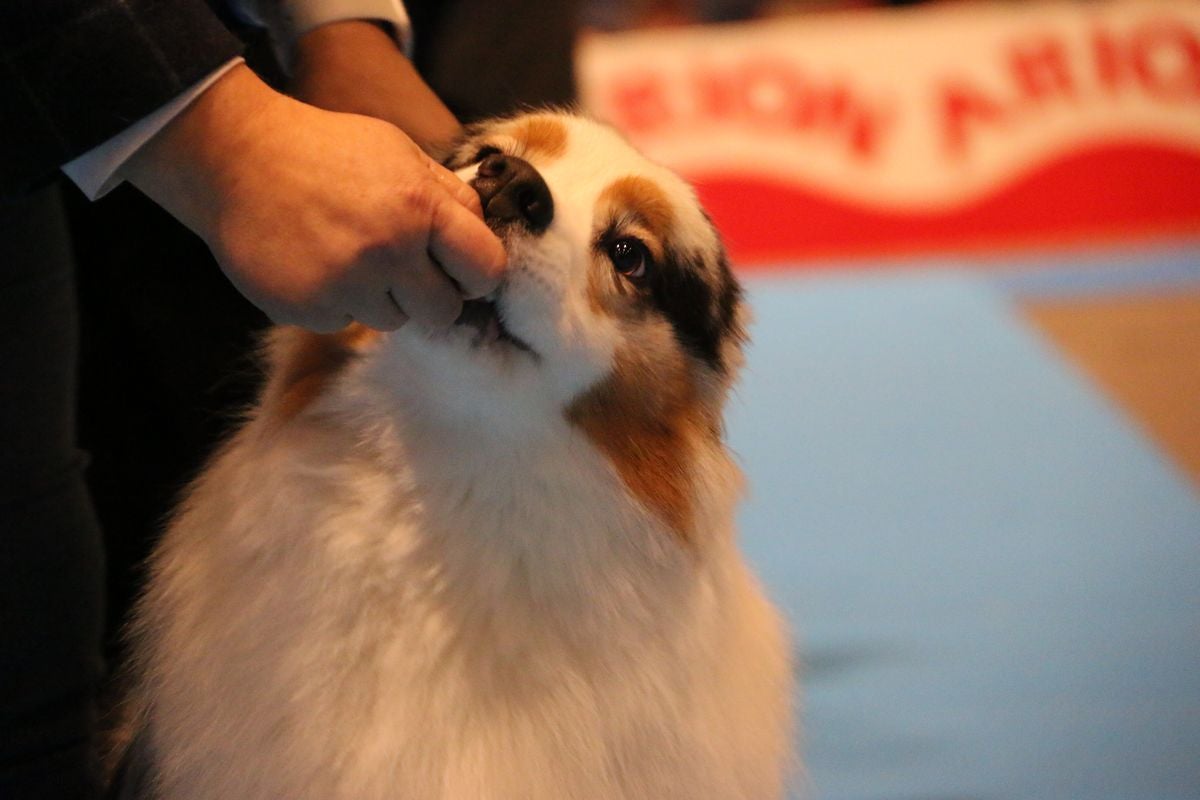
445, 567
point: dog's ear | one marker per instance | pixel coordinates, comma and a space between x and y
301, 364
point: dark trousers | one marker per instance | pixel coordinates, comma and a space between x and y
51, 557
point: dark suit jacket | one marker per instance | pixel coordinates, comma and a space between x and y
74, 73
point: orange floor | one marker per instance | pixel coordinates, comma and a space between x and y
1144, 351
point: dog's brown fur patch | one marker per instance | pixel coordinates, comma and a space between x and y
310, 362
649, 422
641, 198
542, 135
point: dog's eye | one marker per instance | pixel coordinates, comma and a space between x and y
484, 152
629, 257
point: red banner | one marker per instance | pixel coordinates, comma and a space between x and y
934, 129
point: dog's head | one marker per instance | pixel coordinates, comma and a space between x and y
616, 276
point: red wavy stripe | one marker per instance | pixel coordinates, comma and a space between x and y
1104, 192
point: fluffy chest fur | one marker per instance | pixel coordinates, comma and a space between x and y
430, 570
377, 622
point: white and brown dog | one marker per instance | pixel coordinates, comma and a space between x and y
497, 563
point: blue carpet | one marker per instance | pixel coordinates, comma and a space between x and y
993, 577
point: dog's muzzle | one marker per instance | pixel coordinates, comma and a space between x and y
512, 192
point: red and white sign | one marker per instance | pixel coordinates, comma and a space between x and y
943, 127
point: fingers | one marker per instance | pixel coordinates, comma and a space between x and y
420, 288
384, 292
379, 310
466, 249
313, 316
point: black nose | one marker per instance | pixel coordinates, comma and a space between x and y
511, 190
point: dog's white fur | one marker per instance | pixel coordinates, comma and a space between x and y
426, 582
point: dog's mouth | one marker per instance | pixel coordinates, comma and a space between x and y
484, 318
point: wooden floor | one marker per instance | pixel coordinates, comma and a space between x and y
1144, 351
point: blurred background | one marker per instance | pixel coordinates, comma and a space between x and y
971, 413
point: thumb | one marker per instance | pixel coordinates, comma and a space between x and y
465, 248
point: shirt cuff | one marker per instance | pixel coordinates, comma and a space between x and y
96, 171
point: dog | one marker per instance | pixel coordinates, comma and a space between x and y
492, 563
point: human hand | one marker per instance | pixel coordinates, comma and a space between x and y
318, 217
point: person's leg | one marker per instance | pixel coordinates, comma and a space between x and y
51, 558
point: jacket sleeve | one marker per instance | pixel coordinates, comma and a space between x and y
74, 73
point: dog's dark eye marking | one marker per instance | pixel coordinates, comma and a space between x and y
630, 257
703, 314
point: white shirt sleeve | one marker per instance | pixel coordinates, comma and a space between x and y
95, 172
